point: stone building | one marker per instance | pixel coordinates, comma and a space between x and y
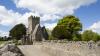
34, 31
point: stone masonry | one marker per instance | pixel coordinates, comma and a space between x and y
35, 32
62, 48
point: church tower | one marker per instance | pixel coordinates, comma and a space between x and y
35, 32
32, 22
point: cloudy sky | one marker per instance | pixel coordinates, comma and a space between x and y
13, 12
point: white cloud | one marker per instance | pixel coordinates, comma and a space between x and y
2, 33
95, 27
61, 7
52, 9
8, 17
50, 26
11, 18
47, 17
49, 9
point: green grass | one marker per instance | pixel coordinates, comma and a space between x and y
1, 42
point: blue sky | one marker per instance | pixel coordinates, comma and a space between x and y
89, 14
13, 12
9, 4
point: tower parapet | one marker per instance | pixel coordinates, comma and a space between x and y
32, 22
35, 32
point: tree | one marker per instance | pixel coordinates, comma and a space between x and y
99, 37
1, 38
67, 27
60, 32
90, 35
18, 31
49, 34
77, 37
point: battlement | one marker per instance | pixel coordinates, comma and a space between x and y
32, 22
34, 19
34, 31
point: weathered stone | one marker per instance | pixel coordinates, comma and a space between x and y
35, 32
0, 52
5, 48
10, 50
44, 32
9, 54
71, 48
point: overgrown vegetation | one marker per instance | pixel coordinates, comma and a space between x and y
68, 28
18, 31
5, 38
90, 35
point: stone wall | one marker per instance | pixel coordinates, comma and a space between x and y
70, 48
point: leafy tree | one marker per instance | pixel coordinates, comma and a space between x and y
67, 27
99, 37
18, 31
49, 33
77, 37
90, 35
60, 32
5, 38
0, 38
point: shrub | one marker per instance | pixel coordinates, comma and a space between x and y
90, 35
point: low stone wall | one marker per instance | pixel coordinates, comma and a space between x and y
69, 48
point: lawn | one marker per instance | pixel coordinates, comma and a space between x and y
2, 42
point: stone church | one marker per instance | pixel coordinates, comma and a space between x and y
34, 31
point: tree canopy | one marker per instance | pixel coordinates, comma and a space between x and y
90, 35
67, 27
18, 31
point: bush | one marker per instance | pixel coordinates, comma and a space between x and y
90, 35
75, 38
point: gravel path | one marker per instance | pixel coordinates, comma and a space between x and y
30, 50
